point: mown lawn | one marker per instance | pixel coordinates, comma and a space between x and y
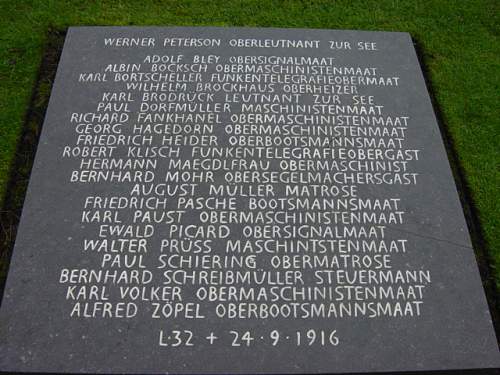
460, 41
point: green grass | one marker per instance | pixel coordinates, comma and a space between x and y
460, 41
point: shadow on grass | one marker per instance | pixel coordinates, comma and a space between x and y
26, 148
21, 169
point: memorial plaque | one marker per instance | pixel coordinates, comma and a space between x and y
220, 200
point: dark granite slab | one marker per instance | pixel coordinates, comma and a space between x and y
439, 320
